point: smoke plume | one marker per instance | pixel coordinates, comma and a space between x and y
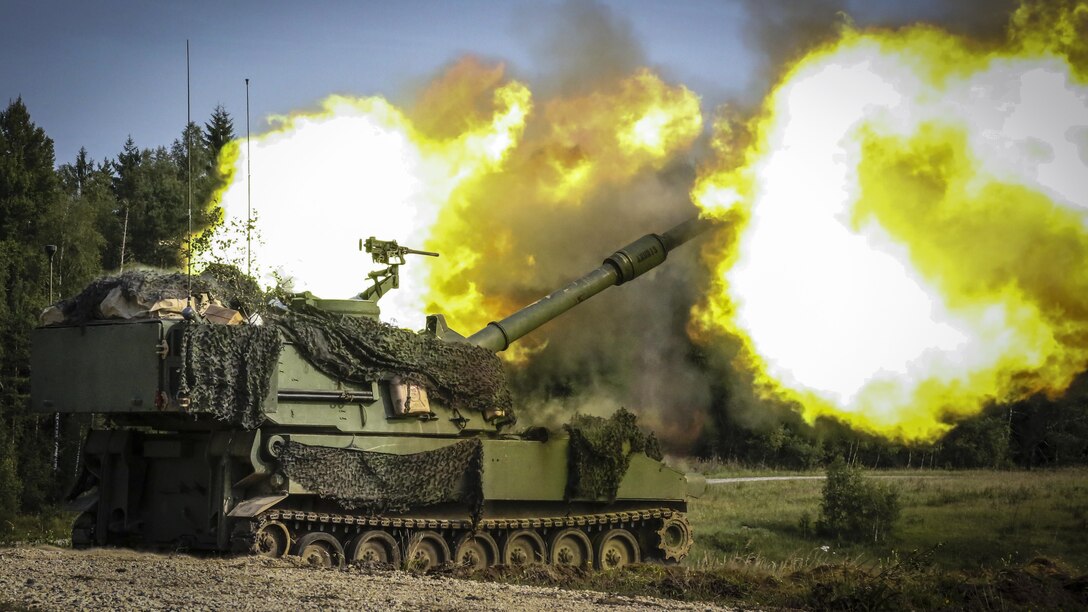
524, 187
780, 32
572, 193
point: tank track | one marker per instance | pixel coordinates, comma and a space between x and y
604, 540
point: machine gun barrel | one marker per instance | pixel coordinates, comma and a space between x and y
625, 264
408, 251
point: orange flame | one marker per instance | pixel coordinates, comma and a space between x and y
571, 151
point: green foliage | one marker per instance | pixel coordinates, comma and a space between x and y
230, 245
218, 131
784, 446
35, 463
80, 208
153, 193
49, 526
965, 539
804, 524
153, 196
982, 442
1047, 431
28, 185
78, 226
853, 508
29, 191
1038, 431
900, 582
10, 484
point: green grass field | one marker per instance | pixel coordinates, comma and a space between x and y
959, 519
966, 540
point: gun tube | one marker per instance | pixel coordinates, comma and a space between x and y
624, 265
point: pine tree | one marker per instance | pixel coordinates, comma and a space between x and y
27, 183
28, 195
150, 190
28, 188
76, 226
218, 131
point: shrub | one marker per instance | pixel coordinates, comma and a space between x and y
804, 524
855, 509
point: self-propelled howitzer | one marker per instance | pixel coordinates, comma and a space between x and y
323, 433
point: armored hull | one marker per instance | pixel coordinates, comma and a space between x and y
327, 435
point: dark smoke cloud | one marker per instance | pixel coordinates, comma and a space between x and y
578, 45
781, 31
628, 346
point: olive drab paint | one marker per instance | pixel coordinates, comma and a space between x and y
367, 454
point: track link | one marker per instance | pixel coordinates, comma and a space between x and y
661, 533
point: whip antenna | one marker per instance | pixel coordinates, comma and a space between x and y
249, 191
189, 163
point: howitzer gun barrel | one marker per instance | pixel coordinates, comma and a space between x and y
624, 265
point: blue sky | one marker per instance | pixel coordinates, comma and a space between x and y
92, 73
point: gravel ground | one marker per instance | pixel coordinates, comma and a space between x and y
51, 578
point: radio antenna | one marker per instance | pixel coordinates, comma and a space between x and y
189, 163
249, 192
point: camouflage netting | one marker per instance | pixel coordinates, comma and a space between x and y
148, 287
227, 370
600, 452
381, 482
361, 350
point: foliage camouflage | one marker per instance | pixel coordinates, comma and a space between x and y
600, 452
381, 482
361, 350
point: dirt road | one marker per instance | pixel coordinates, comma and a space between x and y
63, 579
714, 481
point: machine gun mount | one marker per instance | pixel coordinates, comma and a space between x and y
391, 254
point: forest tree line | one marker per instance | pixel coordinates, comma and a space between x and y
95, 217
131, 209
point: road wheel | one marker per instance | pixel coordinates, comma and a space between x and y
375, 547
615, 548
426, 551
570, 547
319, 549
272, 540
523, 547
476, 551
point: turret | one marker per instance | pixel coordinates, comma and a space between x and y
625, 264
